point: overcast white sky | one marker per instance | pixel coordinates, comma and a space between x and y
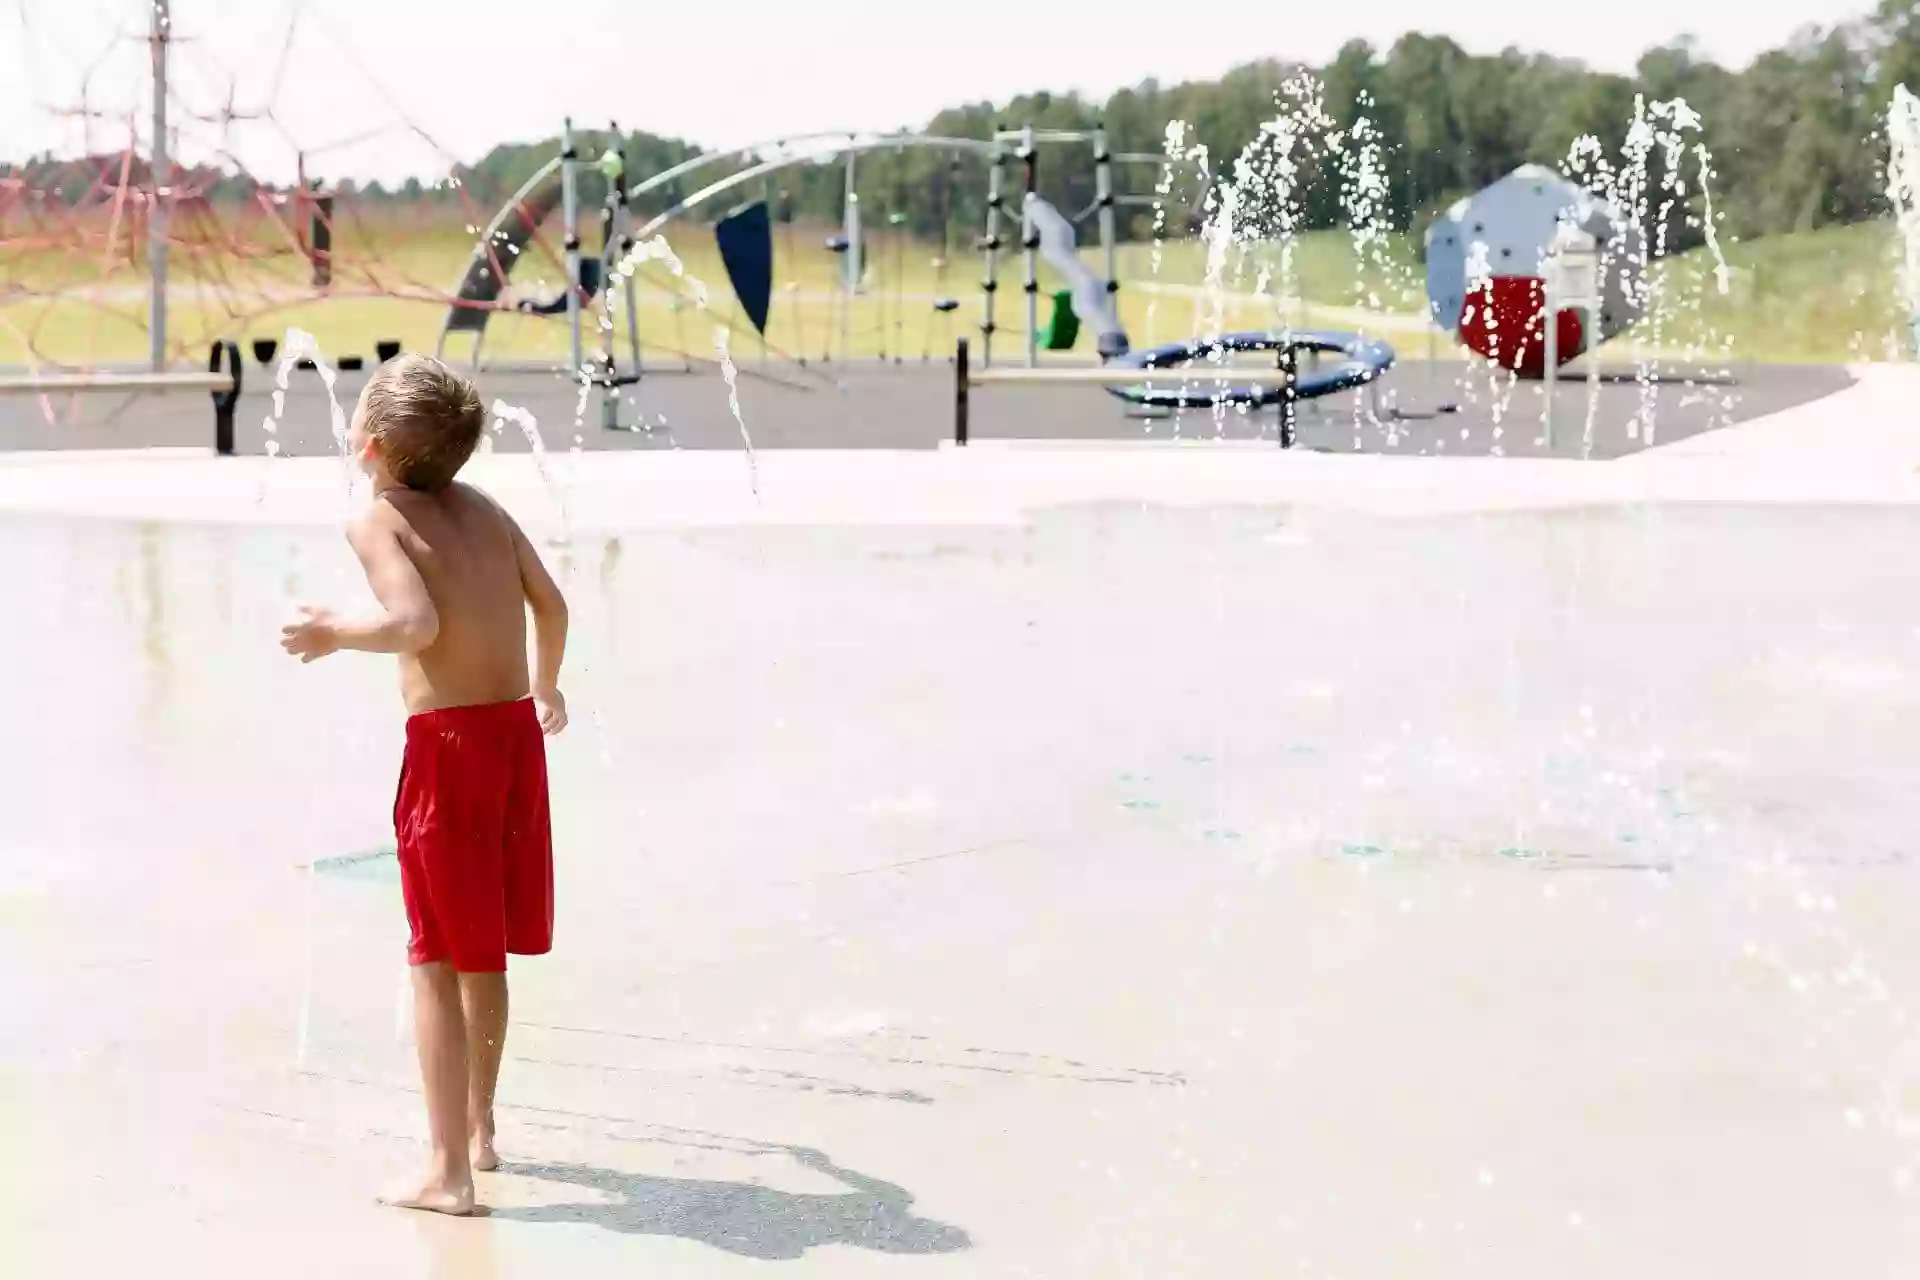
422, 82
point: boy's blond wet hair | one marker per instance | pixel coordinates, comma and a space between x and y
427, 419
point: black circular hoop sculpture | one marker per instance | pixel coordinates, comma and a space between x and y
1366, 359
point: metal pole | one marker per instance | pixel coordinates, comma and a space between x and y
603, 367
996, 160
962, 380
1029, 245
850, 280
897, 228
1103, 192
633, 316
797, 304
1289, 396
773, 215
226, 398
853, 264
162, 32
625, 220
569, 212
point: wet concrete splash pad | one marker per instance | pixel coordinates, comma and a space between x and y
1056, 885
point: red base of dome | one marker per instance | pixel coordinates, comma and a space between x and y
1501, 321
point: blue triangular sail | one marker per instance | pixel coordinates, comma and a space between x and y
746, 250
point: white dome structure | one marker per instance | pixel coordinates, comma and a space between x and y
1486, 268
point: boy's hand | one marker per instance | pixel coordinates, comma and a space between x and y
314, 636
552, 707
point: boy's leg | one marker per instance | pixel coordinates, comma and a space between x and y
484, 999
439, 1028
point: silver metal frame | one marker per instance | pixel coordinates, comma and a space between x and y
799, 151
570, 212
161, 37
1030, 245
990, 282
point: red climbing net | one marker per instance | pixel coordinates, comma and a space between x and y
256, 236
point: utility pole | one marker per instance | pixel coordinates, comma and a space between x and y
162, 181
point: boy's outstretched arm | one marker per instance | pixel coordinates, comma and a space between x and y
549, 610
407, 621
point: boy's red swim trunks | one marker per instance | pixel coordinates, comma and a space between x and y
476, 851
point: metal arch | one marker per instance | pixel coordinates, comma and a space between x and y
514, 201
854, 142
853, 147
483, 248
705, 158
842, 142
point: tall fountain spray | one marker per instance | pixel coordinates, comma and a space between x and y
1657, 200
1903, 193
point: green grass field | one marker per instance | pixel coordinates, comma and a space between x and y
1826, 296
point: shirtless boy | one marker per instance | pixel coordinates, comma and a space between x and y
455, 578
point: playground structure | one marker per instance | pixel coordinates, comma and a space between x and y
1490, 257
744, 237
1573, 247
1044, 232
1530, 246
1131, 379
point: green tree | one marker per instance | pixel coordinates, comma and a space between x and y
1793, 136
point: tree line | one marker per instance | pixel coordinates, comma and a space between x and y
1795, 136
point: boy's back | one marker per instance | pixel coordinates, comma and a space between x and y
465, 549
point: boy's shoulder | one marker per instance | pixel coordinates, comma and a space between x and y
378, 517
465, 491
412, 518
397, 509
475, 499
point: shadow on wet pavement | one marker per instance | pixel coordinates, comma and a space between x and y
744, 1218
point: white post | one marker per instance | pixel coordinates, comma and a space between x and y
1569, 281
162, 183
1590, 331
1548, 303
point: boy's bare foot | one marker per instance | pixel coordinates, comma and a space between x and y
435, 1196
